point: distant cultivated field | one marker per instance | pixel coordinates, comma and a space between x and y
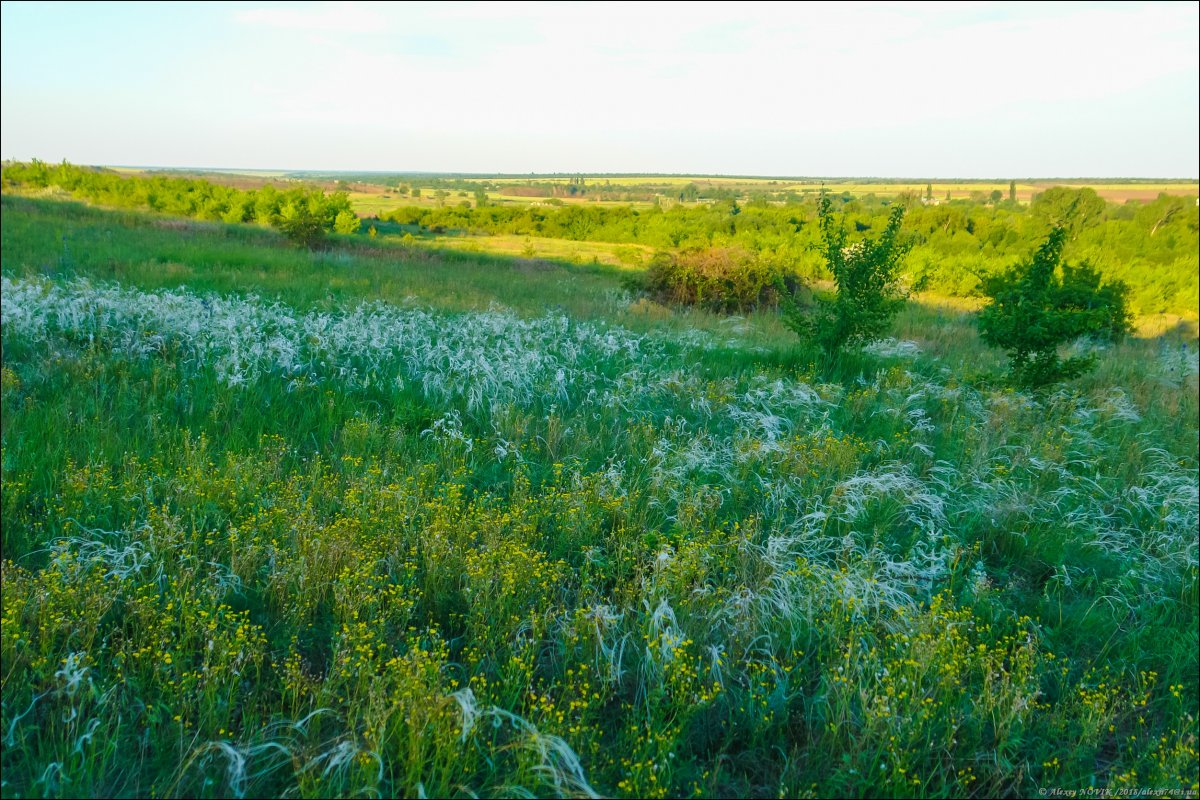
374, 199
1122, 192
1117, 192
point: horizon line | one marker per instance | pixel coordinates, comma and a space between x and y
629, 174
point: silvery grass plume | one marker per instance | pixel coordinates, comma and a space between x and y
556, 764
893, 348
115, 552
335, 763
1150, 524
481, 358
852, 497
605, 622
136, 554
1176, 363
239, 775
282, 747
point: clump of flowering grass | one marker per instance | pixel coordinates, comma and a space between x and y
380, 550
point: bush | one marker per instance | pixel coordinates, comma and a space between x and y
347, 222
718, 279
301, 226
1041, 304
866, 275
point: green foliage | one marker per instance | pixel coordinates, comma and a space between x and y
304, 208
658, 568
347, 222
1040, 305
716, 278
1073, 210
866, 275
301, 226
955, 244
1153, 247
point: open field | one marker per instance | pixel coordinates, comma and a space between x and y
371, 203
368, 200
1116, 192
402, 520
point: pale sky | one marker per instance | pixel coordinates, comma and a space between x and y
893, 89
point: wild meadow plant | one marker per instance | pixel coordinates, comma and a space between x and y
260, 548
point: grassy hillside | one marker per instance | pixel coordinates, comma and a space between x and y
1150, 246
395, 520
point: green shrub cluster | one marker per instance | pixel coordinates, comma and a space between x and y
1153, 247
1042, 304
717, 278
303, 214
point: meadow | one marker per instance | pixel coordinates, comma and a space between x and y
397, 519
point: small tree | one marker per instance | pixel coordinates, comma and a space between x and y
300, 225
1041, 304
868, 289
346, 222
1071, 209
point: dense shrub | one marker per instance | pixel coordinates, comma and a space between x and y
716, 278
347, 222
302, 226
1041, 304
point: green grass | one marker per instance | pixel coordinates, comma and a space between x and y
507, 530
628, 256
151, 251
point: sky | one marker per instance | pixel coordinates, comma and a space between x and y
969, 90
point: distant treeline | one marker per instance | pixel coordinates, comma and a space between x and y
187, 197
1152, 246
